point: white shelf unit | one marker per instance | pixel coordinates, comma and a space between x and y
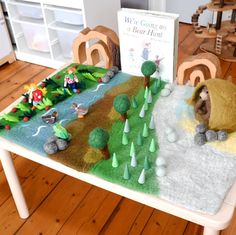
44, 30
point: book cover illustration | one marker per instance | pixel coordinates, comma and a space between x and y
148, 36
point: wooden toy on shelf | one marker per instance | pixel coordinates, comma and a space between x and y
198, 68
105, 48
221, 35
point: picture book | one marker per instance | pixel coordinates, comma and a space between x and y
148, 35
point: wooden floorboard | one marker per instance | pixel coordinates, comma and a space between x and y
60, 204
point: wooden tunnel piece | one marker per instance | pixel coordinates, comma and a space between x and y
198, 68
106, 46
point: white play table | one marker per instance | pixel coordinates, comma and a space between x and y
212, 223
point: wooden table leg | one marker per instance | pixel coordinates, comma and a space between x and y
210, 231
14, 183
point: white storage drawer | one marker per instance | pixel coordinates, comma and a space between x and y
68, 16
29, 11
66, 40
36, 37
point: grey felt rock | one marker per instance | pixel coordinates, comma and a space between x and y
114, 69
169, 130
200, 139
50, 148
52, 139
222, 135
201, 128
211, 135
106, 79
165, 92
110, 74
62, 144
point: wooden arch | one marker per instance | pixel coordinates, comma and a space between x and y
199, 68
106, 46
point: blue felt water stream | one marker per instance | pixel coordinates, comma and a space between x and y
34, 133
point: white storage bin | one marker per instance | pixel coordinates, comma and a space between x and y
68, 17
36, 37
66, 40
29, 11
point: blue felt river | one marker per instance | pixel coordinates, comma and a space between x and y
35, 132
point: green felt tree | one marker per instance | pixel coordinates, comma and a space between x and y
134, 102
146, 92
132, 149
125, 140
152, 147
156, 86
126, 174
145, 130
122, 105
148, 68
139, 140
145, 105
98, 138
146, 164
114, 161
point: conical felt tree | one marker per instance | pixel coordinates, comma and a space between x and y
126, 127
141, 178
156, 86
142, 112
152, 147
146, 93
114, 161
132, 149
125, 139
126, 174
145, 130
145, 105
146, 164
134, 102
139, 139
149, 98
133, 162
152, 124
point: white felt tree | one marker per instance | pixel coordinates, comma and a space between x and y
142, 112
141, 178
133, 162
152, 124
126, 128
149, 98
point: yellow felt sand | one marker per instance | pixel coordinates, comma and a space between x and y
228, 146
223, 104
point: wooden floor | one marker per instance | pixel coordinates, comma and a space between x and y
59, 204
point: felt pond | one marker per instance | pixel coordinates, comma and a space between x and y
194, 177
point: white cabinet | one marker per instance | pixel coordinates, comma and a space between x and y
6, 51
44, 30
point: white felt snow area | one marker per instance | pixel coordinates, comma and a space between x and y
197, 178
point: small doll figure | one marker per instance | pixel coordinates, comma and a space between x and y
36, 96
71, 80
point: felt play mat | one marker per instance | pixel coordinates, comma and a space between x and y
197, 178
